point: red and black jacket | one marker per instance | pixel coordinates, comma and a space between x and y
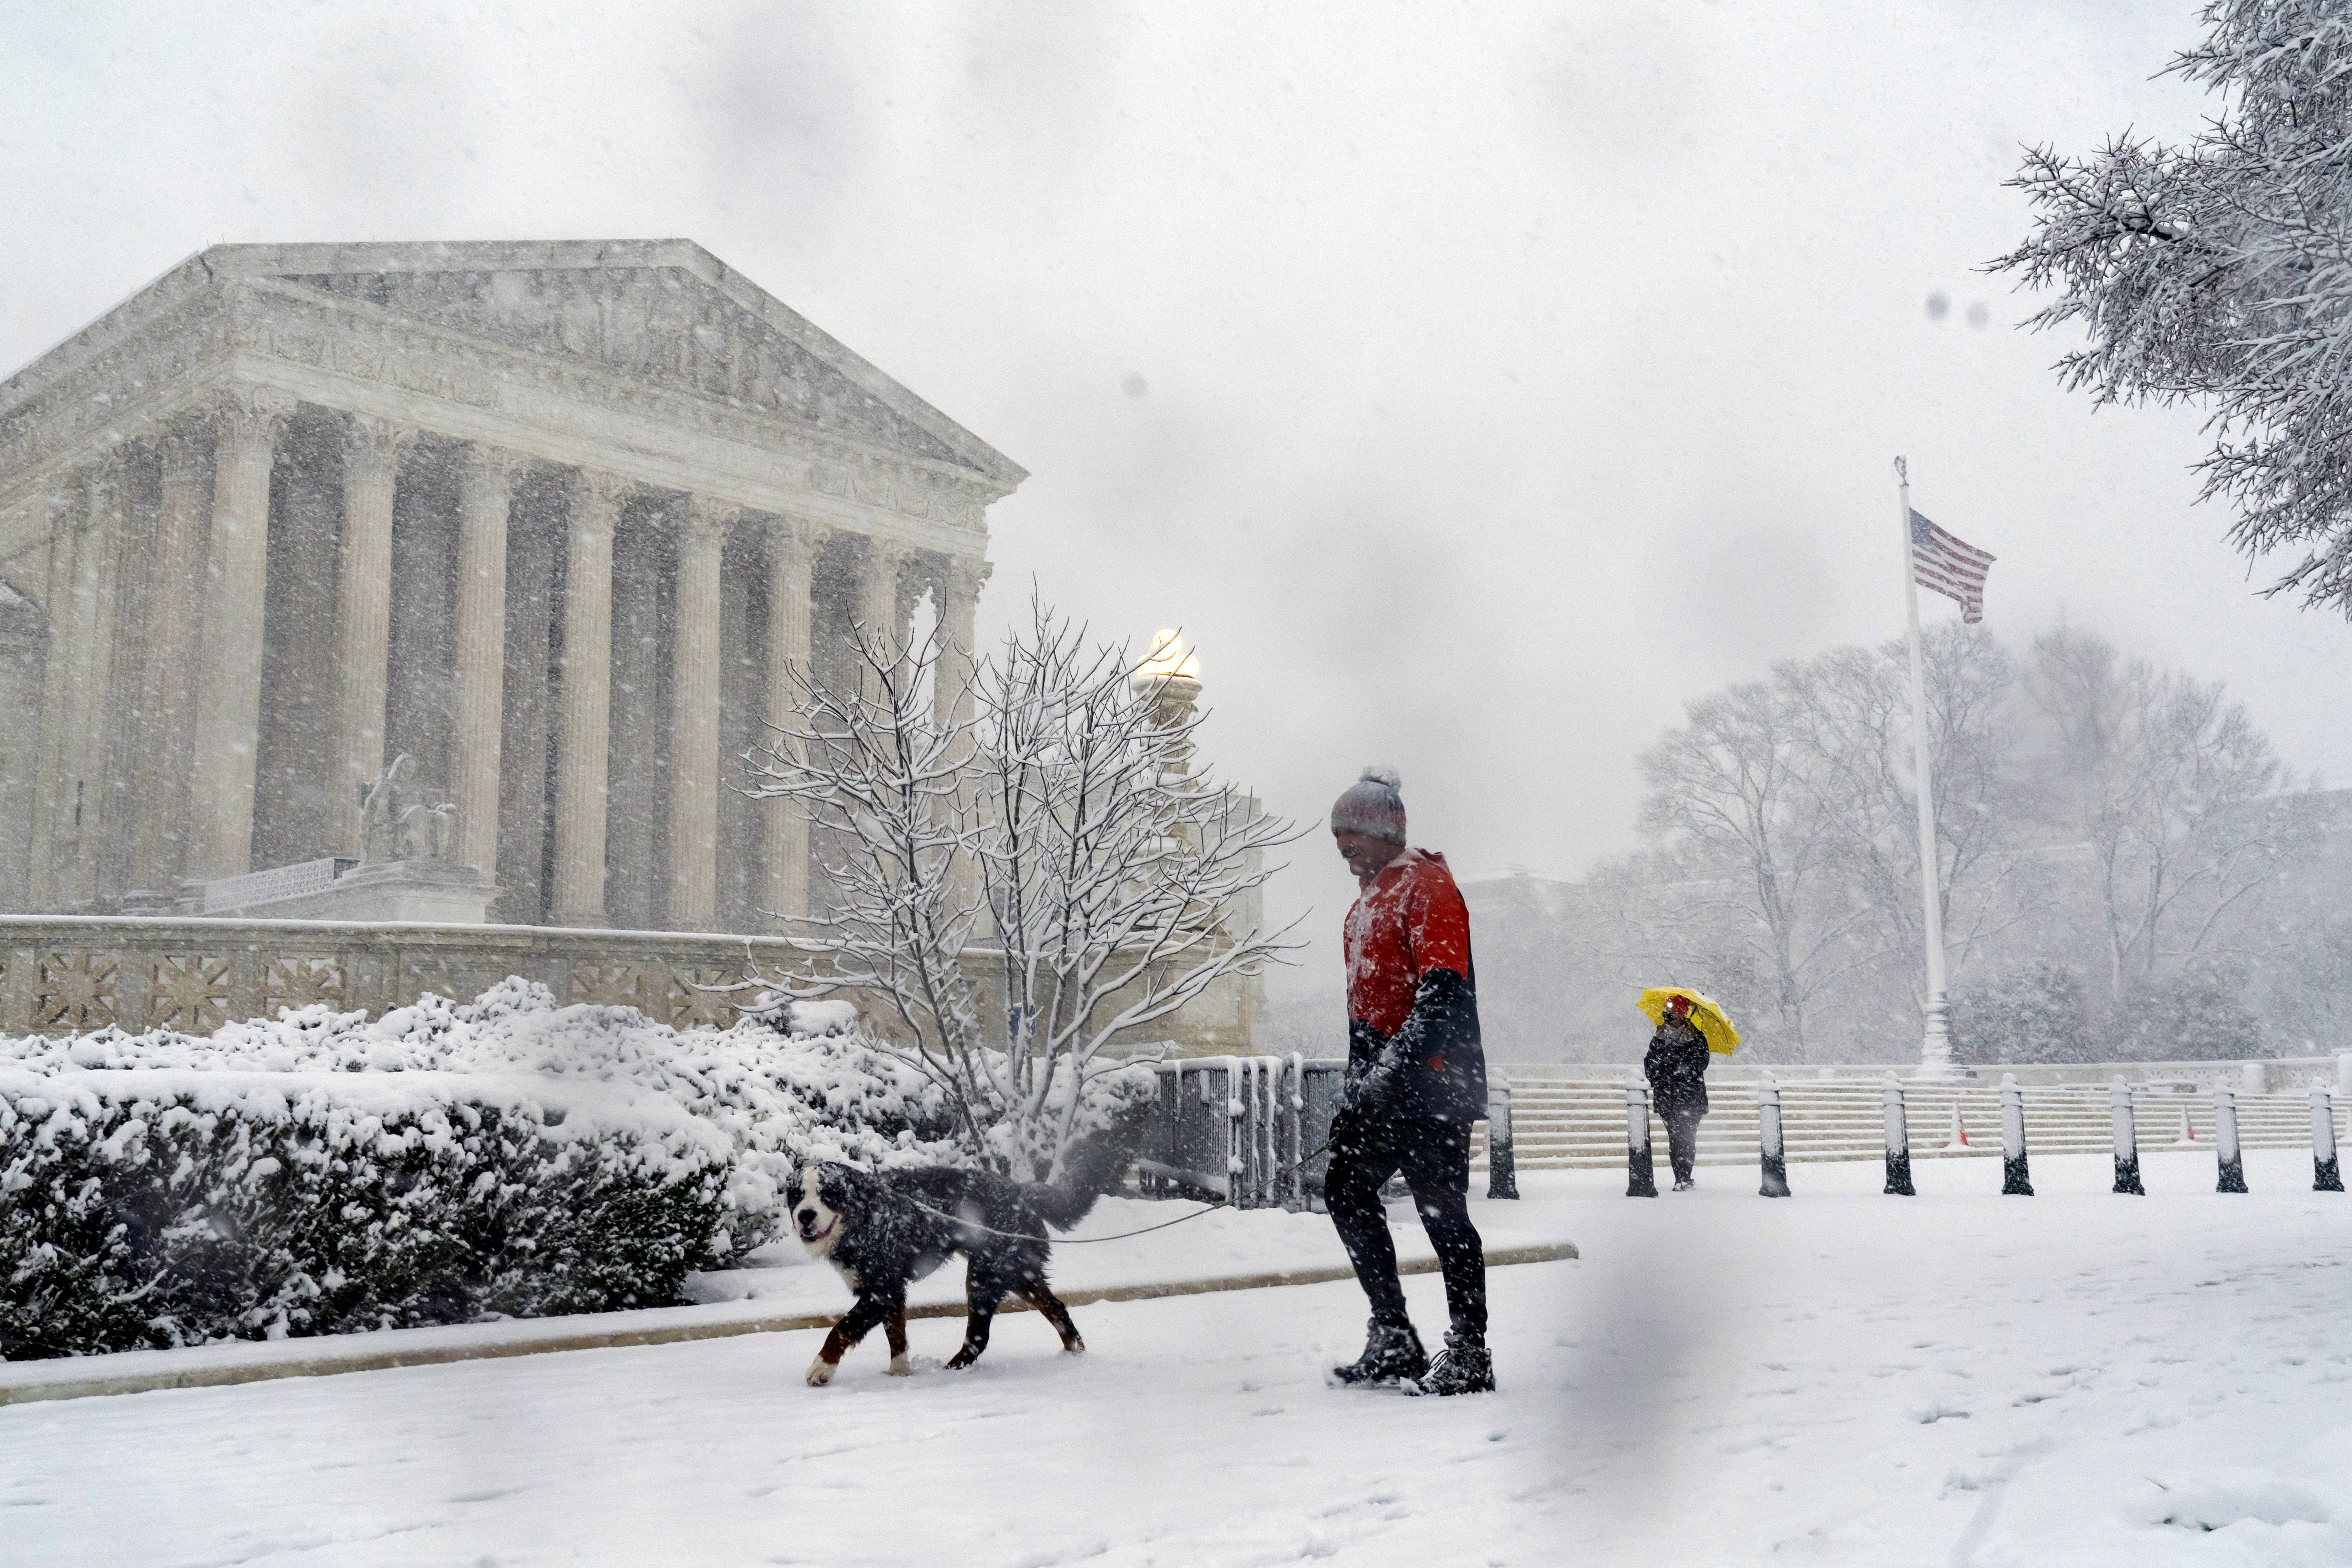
1413, 999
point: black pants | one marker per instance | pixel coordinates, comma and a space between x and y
1435, 1159
1682, 1139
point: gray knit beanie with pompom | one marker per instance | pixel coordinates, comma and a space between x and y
1372, 806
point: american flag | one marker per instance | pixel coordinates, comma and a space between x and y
1953, 569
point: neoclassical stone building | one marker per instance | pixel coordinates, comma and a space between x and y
551, 518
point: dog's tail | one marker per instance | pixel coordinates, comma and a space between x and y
1091, 1166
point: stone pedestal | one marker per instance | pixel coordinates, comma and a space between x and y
440, 892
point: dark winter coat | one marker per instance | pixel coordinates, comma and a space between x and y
1676, 1069
1414, 1045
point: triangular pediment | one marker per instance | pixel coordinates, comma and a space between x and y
666, 312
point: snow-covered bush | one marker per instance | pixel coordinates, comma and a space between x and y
320, 1172
2198, 1013
171, 1206
2038, 1013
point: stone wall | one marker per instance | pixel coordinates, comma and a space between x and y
63, 975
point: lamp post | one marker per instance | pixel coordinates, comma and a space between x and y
1170, 678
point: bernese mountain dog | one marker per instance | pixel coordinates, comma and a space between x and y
882, 1230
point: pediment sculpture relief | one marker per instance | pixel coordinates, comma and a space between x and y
659, 325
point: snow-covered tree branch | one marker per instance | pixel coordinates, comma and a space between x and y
1028, 889
2221, 272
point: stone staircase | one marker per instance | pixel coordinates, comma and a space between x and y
1566, 1120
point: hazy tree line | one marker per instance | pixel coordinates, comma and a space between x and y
2125, 870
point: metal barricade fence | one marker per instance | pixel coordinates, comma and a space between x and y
1237, 1127
1234, 1127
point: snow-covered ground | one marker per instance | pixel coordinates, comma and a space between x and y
1842, 1377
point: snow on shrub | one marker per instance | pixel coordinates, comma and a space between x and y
320, 1172
170, 1206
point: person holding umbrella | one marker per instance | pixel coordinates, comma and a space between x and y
1690, 1030
1417, 1079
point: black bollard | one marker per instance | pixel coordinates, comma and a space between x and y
2231, 1164
1639, 1182
1898, 1141
1767, 1139
1502, 1172
2015, 1181
2324, 1176
2127, 1140
2229, 1157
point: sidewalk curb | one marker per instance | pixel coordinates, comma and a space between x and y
331, 1356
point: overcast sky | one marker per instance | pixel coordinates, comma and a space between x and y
1475, 386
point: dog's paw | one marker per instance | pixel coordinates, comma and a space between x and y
960, 1359
902, 1367
1075, 1347
820, 1371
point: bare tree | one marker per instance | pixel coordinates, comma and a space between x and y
2172, 788
881, 774
1783, 862
1055, 841
1119, 883
1851, 709
1728, 793
1786, 824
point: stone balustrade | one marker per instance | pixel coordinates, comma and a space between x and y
61, 975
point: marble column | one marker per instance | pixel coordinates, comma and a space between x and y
98, 589
486, 490
637, 785
877, 602
372, 451
584, 711
525, 698
53, 799
959, 606
245, 428
792, 545
173, 609
694, 717
953, 701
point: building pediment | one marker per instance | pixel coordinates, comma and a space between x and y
665, 316
664, 311
663, 325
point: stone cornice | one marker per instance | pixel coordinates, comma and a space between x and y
213, 272
273, 261
153, 367
346, 354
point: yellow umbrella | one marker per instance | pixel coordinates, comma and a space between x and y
1706, 1016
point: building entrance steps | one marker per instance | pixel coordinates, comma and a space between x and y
1580, 1123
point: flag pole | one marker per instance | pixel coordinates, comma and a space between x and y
1936, 1049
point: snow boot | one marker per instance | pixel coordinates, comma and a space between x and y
1462, 1367
1391, 1352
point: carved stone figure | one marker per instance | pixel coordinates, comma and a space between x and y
379, 813
396, 826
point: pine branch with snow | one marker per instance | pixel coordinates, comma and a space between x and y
2219, 273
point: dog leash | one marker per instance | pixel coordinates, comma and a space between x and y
1300, 1163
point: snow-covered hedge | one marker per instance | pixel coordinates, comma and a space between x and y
171, 1206
321, 1172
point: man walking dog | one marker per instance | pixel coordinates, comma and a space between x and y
1416, 1080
